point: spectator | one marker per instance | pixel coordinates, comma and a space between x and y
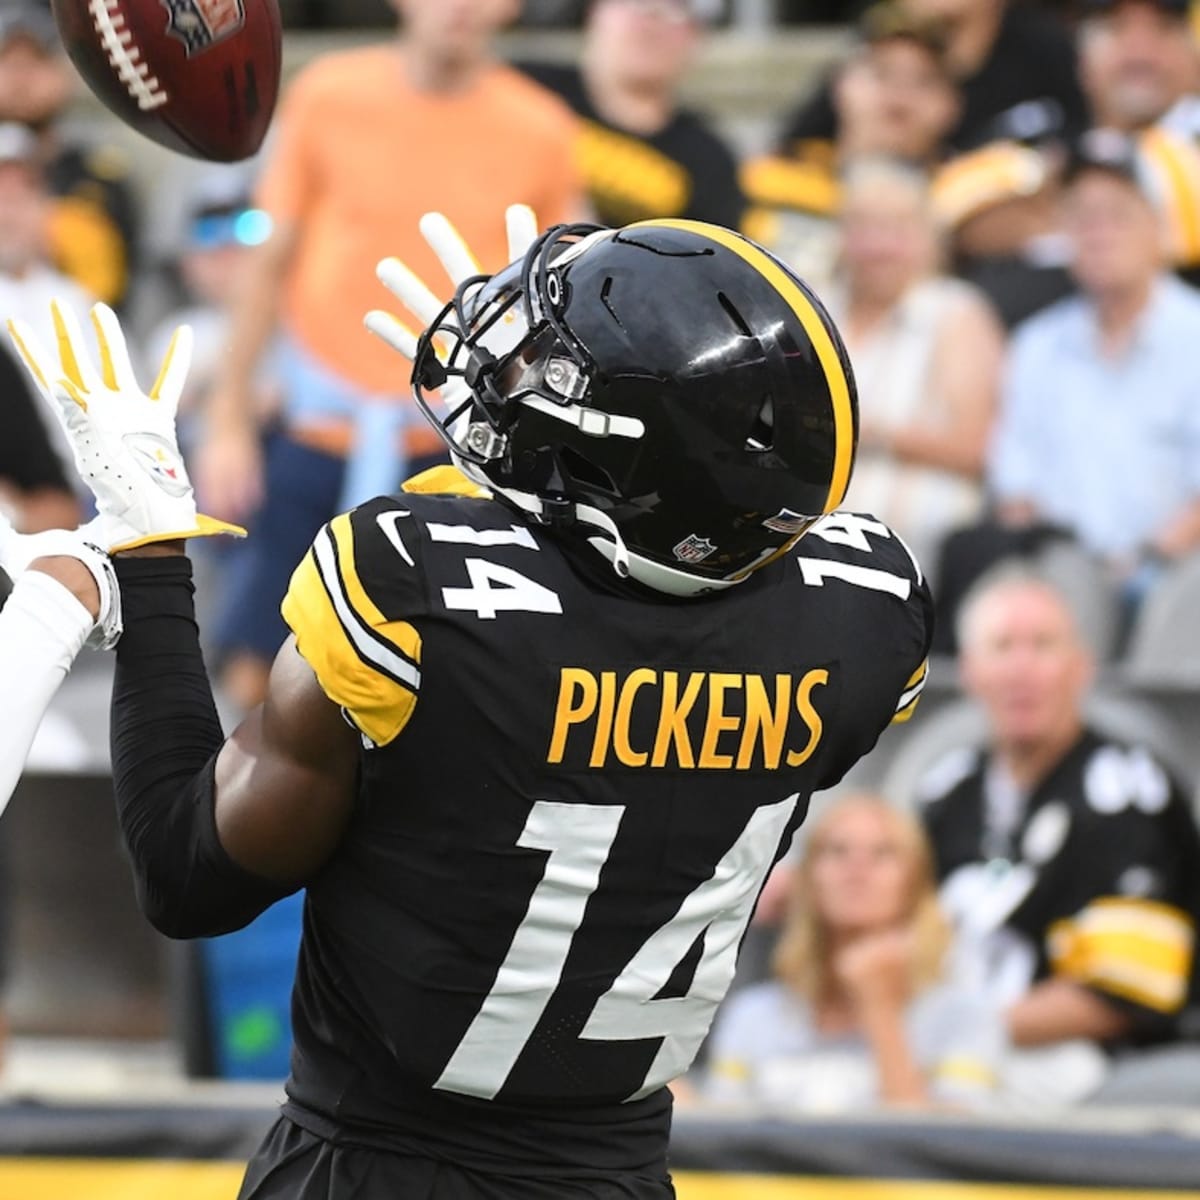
1139, 65
927, 353
893, 98
28, 281
1141, 70
861, 1011
1002, 56
367, 142
91, 224
1070, 859
643, 155
1099, 431
999, 207
222, 229
37, 489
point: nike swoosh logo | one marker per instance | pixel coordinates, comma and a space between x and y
388, 522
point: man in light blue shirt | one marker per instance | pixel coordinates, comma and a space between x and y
1099, 429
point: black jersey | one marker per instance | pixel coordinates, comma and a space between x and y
682, 170
1094, 876
570, 798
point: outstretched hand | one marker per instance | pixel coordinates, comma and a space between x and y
460, 264
123, 440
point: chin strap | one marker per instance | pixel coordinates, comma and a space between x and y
611, 546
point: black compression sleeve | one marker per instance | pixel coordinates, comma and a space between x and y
165, 739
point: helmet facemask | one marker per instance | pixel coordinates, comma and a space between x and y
515, 353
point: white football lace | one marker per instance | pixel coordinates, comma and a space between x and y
124, 57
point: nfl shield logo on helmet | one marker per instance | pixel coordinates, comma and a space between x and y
201, 24
694, 549
786, 521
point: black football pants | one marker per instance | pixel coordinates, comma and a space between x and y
293, 1164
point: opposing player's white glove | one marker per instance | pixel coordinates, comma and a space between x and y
453, 253
18, 550
123, 440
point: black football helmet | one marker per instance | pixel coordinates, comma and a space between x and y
671, 385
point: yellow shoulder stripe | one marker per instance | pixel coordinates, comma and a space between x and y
366, 664
775, 182
631, 176
1176, 164
911, 696
1135, 948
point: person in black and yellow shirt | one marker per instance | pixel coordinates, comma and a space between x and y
1002, 56
1070, 858
894, 98
1138, 64
643, 155
92, 220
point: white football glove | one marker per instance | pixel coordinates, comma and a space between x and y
18, 550
123, 440
453, 253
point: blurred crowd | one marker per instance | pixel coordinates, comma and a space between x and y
1000, 204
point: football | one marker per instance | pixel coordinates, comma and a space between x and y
198, 76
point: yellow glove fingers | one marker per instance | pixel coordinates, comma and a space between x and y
411, 291
393, 331
68, 407
172, 376
447, 243
522, 226
73, 357
115, 366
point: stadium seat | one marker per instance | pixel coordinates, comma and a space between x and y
1164, 646
1161, 1076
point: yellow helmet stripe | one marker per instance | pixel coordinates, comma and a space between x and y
827, 355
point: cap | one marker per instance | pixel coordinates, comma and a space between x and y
982, 179
31, 21
892, 19
1182, 7
18, 143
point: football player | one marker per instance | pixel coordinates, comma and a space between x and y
544, 723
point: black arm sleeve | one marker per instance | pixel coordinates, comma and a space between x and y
165, 739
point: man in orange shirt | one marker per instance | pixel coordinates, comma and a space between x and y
367, 142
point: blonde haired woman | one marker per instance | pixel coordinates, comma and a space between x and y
861, 1012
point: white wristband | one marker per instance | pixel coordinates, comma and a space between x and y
62, 543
